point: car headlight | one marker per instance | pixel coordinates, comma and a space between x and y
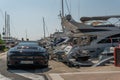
10, 53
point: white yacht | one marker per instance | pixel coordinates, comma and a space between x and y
100, 36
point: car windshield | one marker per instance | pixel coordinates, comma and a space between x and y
28, 44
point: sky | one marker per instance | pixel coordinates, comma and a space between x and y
26, 16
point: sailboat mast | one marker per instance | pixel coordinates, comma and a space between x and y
44, 27
26, 34
7, 26
62, 16
62, 8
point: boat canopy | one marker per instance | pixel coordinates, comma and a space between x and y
84, 19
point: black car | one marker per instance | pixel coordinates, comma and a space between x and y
27, 52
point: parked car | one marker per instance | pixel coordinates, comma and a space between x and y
27, 52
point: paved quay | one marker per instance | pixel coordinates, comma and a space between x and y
104, 75
108, 72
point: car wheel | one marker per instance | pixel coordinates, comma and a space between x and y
46, 66
9, 66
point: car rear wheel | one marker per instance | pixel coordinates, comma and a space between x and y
46, 66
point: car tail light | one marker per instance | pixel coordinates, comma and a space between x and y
12, 62
40, 61
38, 57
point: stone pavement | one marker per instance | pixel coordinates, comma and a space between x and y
102, 75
